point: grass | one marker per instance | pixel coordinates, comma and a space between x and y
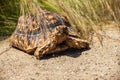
9, 14
85, 15
6, 30
11, 10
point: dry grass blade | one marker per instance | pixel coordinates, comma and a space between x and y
86, 15
29, 7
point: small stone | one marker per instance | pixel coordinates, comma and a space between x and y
96, 78
32, 79
37, 73
119, 63
86, 53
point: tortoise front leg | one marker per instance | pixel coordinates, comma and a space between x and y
77, 43
57, 36
45, 48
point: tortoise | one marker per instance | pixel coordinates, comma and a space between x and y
45, 33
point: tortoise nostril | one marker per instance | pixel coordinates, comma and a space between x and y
63, 30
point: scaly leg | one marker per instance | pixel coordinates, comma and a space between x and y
77, 43
59, 48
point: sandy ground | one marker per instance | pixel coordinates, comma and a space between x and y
97, 63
